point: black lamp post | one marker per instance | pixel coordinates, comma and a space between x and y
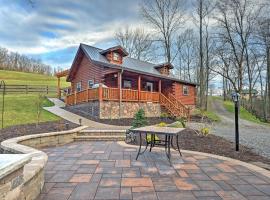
235, 98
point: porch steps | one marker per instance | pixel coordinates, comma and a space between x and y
101, 135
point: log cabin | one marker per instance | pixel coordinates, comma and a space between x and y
108, 84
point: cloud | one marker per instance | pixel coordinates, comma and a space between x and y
54, 25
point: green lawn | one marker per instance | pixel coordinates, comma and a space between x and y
22, 78
244, 114
22, 109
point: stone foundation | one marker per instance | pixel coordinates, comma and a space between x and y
111, 109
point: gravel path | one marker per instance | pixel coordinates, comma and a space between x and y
255, 136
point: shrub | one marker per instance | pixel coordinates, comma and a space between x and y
176, 124
205, 131
139, 119
164, 115
148, 138
183, 120
162, 124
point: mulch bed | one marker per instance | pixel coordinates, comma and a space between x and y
28, 129
212, 144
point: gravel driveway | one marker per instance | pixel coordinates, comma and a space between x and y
255, 136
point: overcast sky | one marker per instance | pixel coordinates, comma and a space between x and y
52, 29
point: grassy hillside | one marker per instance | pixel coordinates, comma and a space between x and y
23, 78
22, 108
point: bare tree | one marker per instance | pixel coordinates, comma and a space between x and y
235, 24
166, 17
187, 45
137, 42
264, 37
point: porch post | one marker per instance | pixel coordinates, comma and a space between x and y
159, 85
139, 88
100, 92
119, 82
58, 88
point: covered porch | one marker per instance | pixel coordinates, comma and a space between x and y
124, 87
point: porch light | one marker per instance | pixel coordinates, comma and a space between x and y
236, 98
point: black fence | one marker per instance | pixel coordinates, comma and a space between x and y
28, 89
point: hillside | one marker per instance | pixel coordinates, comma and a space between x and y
23, 78
22, 108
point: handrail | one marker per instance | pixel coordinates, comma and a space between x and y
3, 85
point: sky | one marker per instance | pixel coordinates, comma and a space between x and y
52, 30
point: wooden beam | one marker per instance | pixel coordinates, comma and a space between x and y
100, 95
119, 84
139, 87
159, 85
58, 88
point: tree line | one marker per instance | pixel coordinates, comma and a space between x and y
205, 39
18, 62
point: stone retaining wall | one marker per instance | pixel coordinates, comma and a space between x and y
32, 172
111, 109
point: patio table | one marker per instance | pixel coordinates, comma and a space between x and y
168, 132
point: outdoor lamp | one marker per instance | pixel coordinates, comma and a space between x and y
236, 98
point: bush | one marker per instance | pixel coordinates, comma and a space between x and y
183, 120
164, 115
176, 124
162, 124
205, 131
148, 138
139, 119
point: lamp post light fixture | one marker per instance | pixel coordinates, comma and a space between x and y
236, 98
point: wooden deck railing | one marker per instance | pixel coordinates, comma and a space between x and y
111, 94
174, 106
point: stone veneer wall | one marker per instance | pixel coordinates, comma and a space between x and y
110, 109
33, 172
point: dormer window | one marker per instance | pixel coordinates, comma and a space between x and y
164, 68
116, 56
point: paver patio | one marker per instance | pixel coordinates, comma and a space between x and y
108, 170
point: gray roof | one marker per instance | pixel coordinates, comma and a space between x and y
128, 63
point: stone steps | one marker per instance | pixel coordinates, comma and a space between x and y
102, 133
100, 138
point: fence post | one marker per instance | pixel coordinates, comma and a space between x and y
26, 89
47, 89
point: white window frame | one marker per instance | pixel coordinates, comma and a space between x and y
91, 83
116, 56
185, 90
78, 86
129, 82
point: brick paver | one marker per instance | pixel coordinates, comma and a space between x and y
107, 170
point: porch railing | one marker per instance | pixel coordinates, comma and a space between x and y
111, 94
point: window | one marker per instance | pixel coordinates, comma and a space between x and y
185, 90
79, 86
116, 56
149, 86
127, 84
90, 83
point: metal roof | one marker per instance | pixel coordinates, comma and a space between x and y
129, 63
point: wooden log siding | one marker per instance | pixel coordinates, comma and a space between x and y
177, 91
86, 71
